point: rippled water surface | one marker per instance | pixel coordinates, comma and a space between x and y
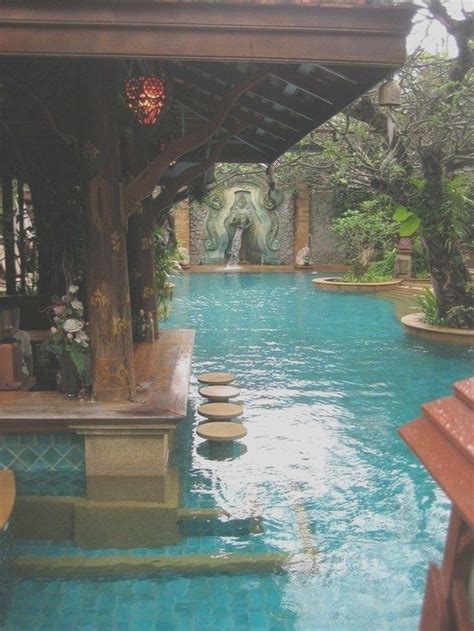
327, 379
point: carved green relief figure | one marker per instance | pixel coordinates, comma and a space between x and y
251, 207
217, 237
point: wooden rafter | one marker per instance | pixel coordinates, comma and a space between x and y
207, 103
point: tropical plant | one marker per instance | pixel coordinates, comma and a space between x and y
429, 306
167, 264
365, 235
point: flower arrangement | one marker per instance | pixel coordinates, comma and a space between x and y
68, 336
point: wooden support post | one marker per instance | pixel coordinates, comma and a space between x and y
8, 235
302, 227
141, 261
105, 243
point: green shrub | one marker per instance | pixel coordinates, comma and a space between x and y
385, 267
368, 277
429, 306
460, 317
419, 262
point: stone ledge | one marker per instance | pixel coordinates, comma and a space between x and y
74, 567
413, 323
334, 284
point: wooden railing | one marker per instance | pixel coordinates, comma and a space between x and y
443, 439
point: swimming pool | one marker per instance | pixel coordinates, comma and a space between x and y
326, 381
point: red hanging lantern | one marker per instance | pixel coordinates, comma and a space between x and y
145, 97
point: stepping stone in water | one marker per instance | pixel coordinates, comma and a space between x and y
221, 431
216, 378
219, 393
220, 411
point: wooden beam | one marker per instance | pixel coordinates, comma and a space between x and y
202, 113
302, 82
166, 198
143, 184
186, 93
269, 93
277, 33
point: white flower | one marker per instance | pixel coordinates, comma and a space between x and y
73, 289
82, 336
77, 304
70, 336
54, 329
72, 325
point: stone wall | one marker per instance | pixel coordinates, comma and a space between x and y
323, 242
302, 221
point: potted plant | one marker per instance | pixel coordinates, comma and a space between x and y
69, 342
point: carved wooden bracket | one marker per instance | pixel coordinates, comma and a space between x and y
143, 184
167, 197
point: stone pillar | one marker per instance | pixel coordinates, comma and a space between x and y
141, 261
126, 462
105, 236
302, 228
403, 259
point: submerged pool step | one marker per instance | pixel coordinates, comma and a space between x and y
148, 567
199, 526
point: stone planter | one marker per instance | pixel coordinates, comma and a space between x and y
414, 324
335, 284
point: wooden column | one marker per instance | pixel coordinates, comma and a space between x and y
8, 235
141, 260
105, 237
302, 223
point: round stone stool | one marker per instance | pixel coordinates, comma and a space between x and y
216, 378
220, 411
219, 393
222, 431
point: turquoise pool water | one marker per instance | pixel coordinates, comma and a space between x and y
327, 379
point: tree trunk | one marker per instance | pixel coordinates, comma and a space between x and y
449, 273
110, 325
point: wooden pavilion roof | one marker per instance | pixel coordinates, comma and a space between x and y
315, 59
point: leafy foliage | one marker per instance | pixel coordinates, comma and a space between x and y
366, 234
167, 263
429, 306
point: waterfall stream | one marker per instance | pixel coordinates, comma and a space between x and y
233, 261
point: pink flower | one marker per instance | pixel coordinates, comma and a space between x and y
59, 309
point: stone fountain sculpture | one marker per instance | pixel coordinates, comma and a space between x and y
243, 223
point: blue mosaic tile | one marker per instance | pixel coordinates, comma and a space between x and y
42, 452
